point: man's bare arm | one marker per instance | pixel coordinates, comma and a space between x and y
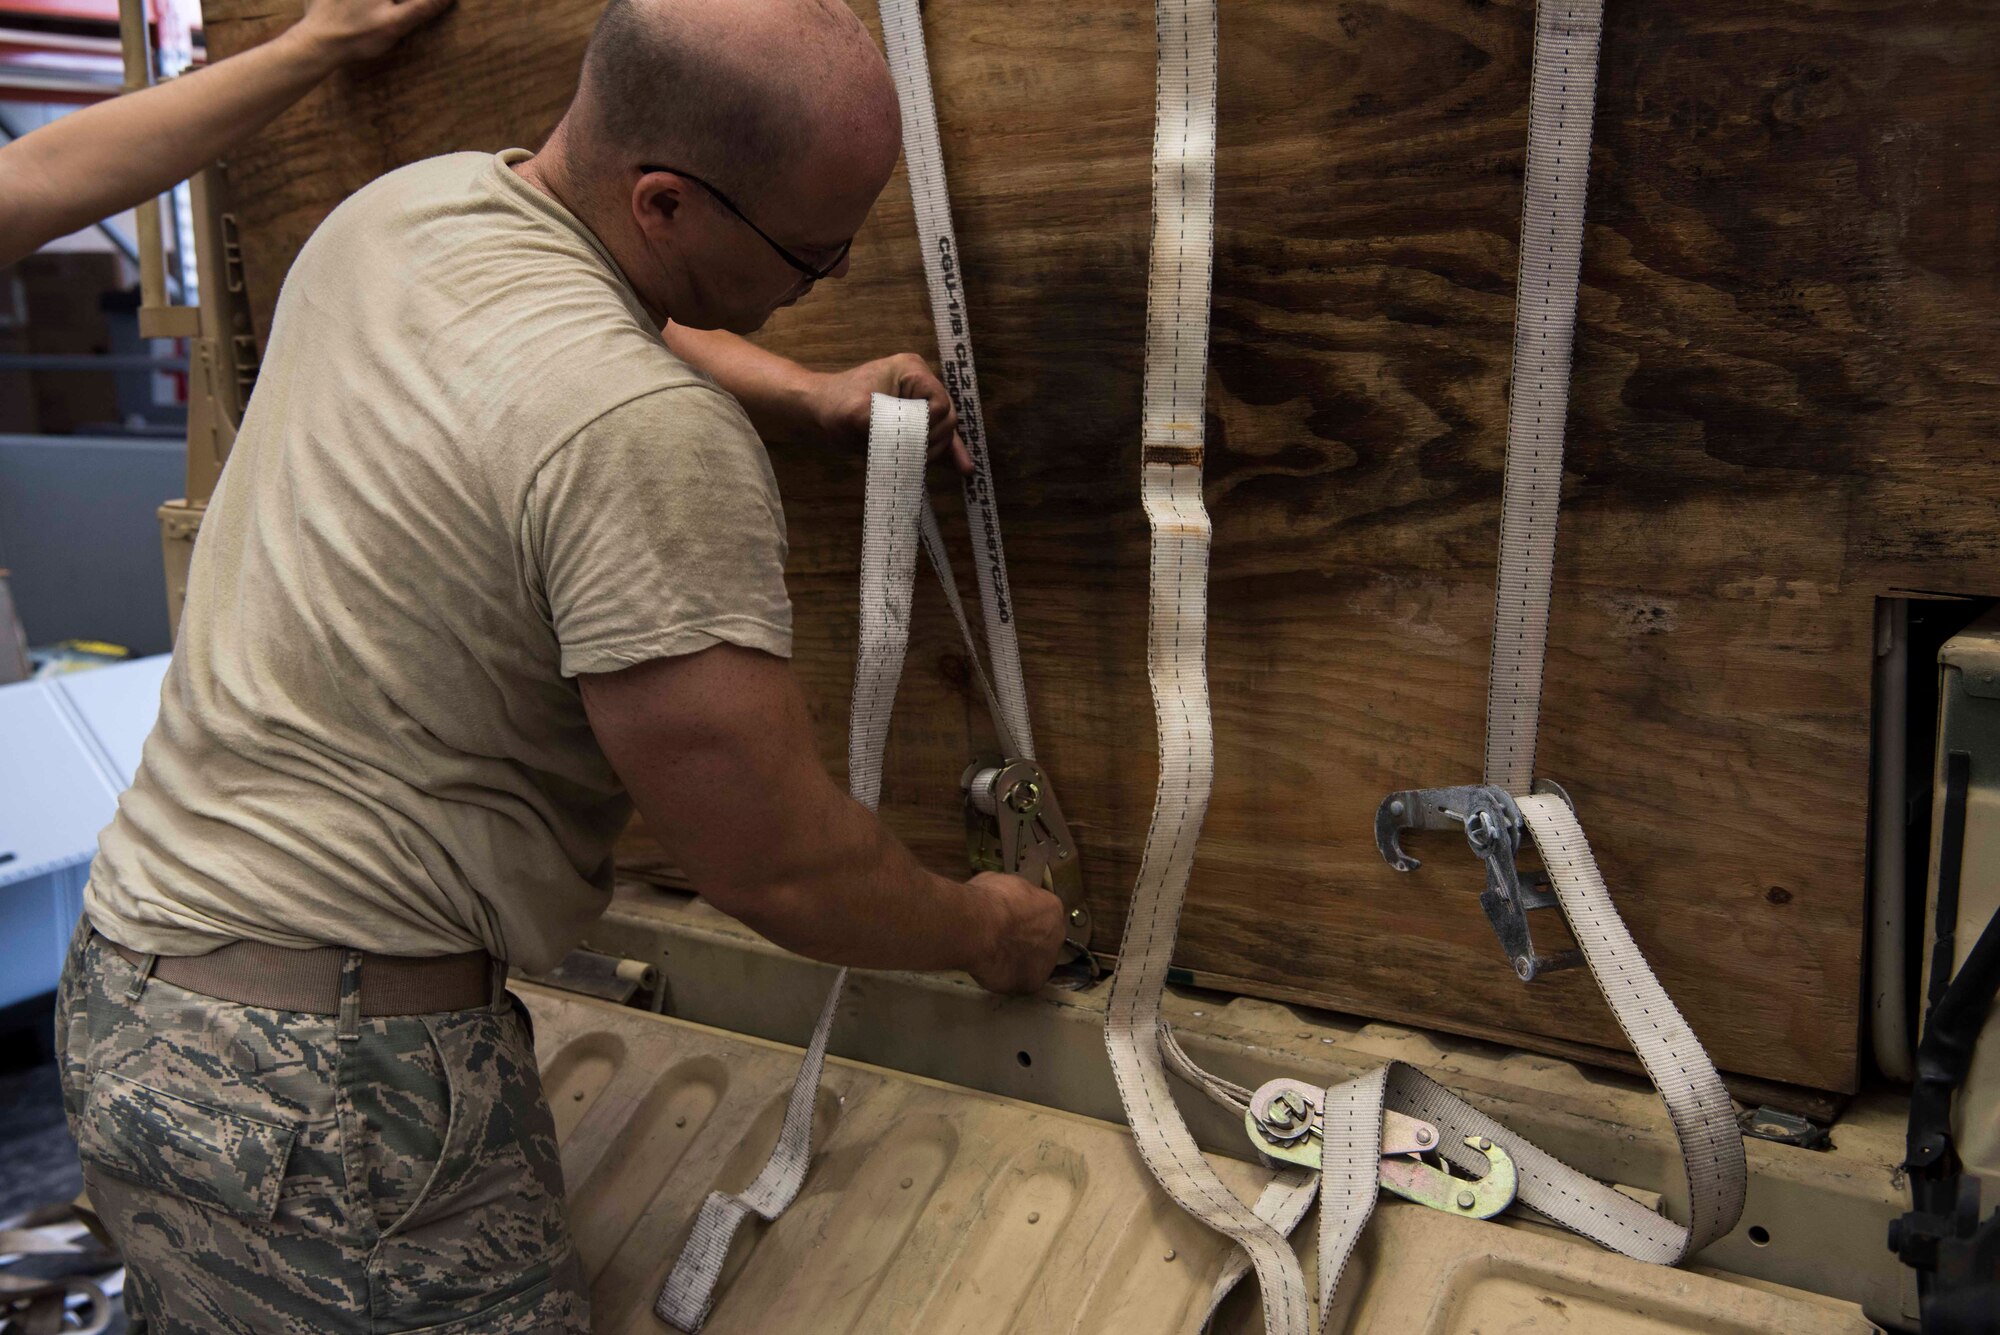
104, 159
717, 751
790, 404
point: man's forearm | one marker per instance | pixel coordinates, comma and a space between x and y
716, 749
791, 405
104, 159
860, 898
775, 391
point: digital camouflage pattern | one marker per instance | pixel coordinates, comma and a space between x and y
261, 1173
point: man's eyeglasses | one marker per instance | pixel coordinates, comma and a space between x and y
812, 272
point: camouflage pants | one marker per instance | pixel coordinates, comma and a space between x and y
262, 1172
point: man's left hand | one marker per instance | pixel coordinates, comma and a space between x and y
841, 402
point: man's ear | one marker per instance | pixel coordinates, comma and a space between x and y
657, 199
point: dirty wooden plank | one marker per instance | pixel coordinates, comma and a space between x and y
1784, 405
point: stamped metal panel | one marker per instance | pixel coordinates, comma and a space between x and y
939, 1209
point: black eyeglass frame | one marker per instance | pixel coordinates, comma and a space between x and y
813, 274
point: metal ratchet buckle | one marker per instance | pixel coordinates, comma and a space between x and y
1285, 1121
1493, 826
1013, 823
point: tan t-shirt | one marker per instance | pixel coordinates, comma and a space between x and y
470, 470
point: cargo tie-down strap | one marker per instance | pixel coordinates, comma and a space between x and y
898, 438
1350, 1119
1350, 1116
898, 517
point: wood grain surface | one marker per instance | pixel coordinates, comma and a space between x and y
1785, 405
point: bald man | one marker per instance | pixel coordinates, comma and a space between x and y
491, 562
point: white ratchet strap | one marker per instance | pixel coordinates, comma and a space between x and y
1566, 45
1551, 254
1177, 306
930, 199
898, 514
1567, 36
898, 438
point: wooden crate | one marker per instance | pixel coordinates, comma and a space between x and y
1785, 406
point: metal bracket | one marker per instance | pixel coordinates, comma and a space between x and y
1785, 1128
607, 977
1493, 826
1285, 1121
1013, 823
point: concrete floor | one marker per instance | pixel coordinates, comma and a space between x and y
38, 1164
37, 1157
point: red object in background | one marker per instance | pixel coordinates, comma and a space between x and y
79, 62
102, 11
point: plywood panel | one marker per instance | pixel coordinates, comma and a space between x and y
1784, 406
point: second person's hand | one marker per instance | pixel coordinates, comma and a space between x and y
347, 30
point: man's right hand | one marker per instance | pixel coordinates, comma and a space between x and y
1027, 937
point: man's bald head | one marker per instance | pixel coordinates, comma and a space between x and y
738, 91
694, 116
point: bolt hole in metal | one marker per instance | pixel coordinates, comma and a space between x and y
1760, 1235
1024, 1059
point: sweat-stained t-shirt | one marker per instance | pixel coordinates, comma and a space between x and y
471, 470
